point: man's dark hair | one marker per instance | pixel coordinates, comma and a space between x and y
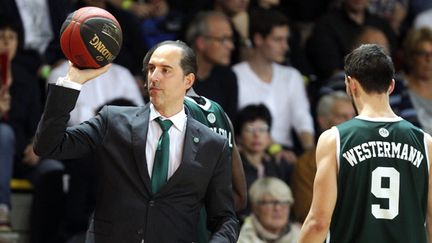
262, 21
252, 113
188, 61
371, 66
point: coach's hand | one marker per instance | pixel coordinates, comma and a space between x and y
83, 75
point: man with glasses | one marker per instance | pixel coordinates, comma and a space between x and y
210, 35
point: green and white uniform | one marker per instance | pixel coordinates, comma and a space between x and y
383, 174
212, 115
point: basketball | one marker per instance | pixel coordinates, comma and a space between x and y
90, 37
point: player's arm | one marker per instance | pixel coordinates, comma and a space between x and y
317, 223
238, 176
429, 205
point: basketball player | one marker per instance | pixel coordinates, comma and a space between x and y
372, 181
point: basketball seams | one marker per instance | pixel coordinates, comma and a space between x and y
81, 25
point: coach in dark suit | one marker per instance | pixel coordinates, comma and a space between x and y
129, 209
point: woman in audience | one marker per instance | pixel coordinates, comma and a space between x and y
271, 200
252, 129
412, 99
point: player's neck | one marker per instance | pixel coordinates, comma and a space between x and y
374, 106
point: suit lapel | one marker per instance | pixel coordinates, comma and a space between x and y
190, 149
139, 135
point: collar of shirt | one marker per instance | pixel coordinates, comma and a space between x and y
178, 120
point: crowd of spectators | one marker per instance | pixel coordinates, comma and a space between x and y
275, 67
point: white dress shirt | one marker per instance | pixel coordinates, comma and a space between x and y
176, 135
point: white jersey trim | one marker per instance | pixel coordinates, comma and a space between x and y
426, 150
205, 107
380, 119
337, 135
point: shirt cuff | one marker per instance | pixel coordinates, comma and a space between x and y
67, 83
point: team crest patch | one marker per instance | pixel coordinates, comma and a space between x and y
383, 132
211, 118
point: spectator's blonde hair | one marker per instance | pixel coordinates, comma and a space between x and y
270, 186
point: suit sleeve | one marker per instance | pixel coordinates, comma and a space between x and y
54, 139
222, 220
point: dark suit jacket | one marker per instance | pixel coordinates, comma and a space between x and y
126, 211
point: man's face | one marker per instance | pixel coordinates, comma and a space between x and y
8, 42
217, 44
167, 83
275, 45
341, 111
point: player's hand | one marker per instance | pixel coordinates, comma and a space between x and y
81, 76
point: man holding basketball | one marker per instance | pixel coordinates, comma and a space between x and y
133, 203
373, 181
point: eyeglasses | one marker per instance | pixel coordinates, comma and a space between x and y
274, 203
257, 129
423, 54
222, 39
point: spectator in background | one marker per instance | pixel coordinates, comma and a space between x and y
271, 200
333, 109
394, 11
261, 79
423, 19
133, 48
236, 10
335, 33
38, 25
412, 98
368, 35
7, 136
23, 115
211, 37
116, 83
25, 109
418, 6
252, 128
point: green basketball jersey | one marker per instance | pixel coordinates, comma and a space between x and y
210, 114
382, 182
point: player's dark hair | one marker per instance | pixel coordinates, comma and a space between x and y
188, 62
252, 113
371, 66
262, 22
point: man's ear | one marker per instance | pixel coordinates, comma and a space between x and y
351, 84
257, 39
391, 87
189, 80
